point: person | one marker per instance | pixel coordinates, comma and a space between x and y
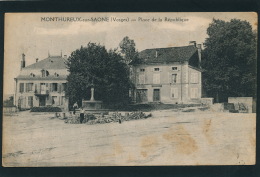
81, 115
75, 106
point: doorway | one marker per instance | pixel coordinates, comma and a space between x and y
42, 101
156, 95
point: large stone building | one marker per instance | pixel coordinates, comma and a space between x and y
42, 83
168, 75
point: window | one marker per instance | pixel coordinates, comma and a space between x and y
21, 87
29, 87
174, 92
156, 69
56, 75
30, 101
174, 78
141, 79
63, 87
62, 101
174, 68
32, 75
54, 100
45, 73
156, 78
194, 93
142, 70
54, 87
194, 78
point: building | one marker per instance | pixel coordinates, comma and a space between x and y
42, 83
168, 75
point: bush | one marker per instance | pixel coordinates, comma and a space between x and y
46, 109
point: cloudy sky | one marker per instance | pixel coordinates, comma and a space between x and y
29, 34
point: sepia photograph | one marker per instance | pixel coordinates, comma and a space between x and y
129, 89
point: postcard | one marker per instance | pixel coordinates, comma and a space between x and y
129, 89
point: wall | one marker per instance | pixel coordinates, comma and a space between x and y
171, 92
24, 95
247, 101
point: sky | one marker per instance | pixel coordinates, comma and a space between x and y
35, 35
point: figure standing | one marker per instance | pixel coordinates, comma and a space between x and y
81, 115
75, 106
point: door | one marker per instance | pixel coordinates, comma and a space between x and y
156, 95
42, 101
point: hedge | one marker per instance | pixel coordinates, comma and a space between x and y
46, 109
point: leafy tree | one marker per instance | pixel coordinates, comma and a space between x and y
127, 47
104, 69
229, 60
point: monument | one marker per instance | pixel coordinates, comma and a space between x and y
92, 104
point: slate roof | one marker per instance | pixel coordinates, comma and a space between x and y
52, 62
167, 55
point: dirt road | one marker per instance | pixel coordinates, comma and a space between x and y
168, 138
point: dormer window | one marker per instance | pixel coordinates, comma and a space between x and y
156, 69
56, 75
174, 68
32, 75
45, 73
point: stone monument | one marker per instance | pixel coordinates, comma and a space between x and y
92, 104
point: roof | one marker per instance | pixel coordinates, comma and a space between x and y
52, 62
168, 55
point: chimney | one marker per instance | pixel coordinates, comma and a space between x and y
193, 43
199, 53
65, 57
23, 61
156, 54
37, 59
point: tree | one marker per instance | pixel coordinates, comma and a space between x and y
127, 47
95, 65
229, 60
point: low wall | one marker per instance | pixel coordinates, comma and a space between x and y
207, 101
11, 109
246, 101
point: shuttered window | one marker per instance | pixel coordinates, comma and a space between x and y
194, 93
156, 78
21, 87
29, 87
30, 101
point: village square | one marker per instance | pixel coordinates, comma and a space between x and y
191, 104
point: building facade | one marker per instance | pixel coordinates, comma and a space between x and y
42, 83
168, 75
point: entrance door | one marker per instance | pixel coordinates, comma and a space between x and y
156, 95
42, 101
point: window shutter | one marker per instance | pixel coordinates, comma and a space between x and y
50, 87
152, 69
178, 78
59, 87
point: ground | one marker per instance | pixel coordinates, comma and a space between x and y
168, 138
